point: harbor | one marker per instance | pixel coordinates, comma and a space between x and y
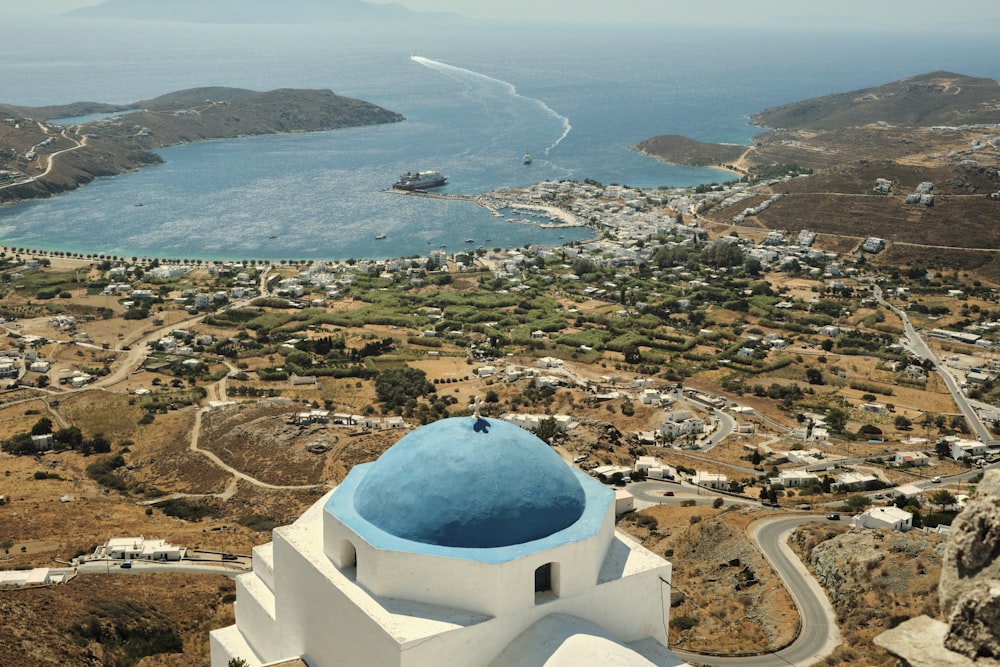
497, 202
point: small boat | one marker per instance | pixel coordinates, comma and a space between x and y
470, 240
379, 237
526, 159
444, 245
138, 203
273, 236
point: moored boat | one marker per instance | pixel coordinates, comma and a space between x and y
420, 180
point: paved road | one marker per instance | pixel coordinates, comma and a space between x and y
917, 345
819, 635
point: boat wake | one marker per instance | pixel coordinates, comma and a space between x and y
511, 88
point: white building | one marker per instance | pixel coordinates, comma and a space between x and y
386, 570
653, 468
139, 548
967, 448
911, 459
854, 481
678, 424
889, 517
711, 480
793, 478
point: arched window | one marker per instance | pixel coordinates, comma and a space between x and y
546, 582
348, 555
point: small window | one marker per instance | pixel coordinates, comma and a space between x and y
547, 583
543, 578
348, 555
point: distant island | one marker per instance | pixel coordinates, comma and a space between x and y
917, 120
258, 11
39, 158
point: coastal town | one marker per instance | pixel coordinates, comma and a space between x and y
708, 357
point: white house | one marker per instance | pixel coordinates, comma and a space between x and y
911, 459
889, 517
711, 480
43, 442
972, 449
624, 502
854, 481
139, 548
793, 478
653, 468
678, 424
550, 362
526, 570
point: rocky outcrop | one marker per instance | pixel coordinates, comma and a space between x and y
970, 575
969, 592
859, 568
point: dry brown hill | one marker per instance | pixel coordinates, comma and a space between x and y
936, 98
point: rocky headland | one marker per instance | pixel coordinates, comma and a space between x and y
39, 158
920, 120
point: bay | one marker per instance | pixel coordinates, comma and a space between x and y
475, 99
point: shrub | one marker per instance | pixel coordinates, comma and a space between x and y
683, 622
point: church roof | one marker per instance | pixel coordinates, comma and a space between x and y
470, 483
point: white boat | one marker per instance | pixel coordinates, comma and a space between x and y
526, 159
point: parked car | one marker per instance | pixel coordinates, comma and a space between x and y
805, 507
878, 496
230, 557
833, 517
126, 565
668, 493
936, 480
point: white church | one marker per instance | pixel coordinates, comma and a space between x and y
469, 542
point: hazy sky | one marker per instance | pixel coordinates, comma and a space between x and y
928, 13
902, 14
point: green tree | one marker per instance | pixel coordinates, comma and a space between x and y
857, 502
42, 427
943, 497
547, 430
902, 423
942, 449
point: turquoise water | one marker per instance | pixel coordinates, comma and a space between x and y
474, 100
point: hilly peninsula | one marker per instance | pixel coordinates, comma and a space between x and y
923, 120
915, 163
39, 158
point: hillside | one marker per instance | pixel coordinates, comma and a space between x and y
925, 120
936, 98
690, 152
41, 159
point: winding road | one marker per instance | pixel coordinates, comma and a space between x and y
818, 635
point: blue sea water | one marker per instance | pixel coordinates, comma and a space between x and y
475, 99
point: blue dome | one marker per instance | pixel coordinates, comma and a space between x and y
470, 483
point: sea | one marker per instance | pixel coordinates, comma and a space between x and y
476, 97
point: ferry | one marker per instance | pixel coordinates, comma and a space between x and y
420, 180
